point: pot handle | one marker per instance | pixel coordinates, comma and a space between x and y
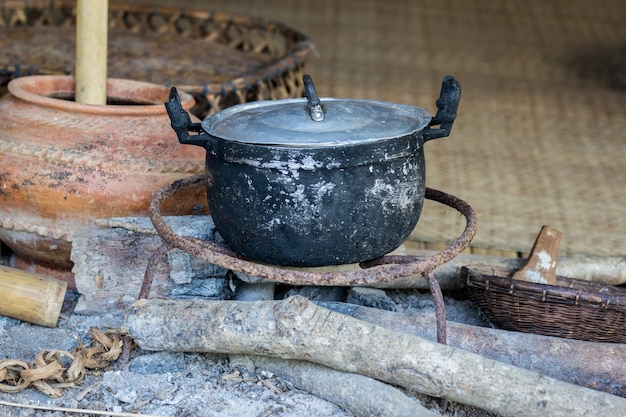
447, 105
182, 124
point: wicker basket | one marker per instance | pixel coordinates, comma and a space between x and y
575, 309
221, 59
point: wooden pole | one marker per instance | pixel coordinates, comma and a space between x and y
91, 51
28, 297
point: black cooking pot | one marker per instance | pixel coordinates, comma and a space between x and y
310, 182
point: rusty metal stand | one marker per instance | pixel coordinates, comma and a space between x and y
384, 269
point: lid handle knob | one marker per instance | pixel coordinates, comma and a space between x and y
314, 105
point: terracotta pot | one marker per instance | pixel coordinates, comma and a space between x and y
65, 164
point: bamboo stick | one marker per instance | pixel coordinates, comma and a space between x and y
91, 51
29, 297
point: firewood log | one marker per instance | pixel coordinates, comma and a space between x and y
110, 265
296, 328
361, 395
600, 366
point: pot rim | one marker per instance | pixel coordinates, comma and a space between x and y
307, 159
41, 89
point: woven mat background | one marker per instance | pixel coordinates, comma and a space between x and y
541, 132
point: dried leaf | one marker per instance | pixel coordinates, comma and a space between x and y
53, 370
10, 370
47, 389
100, 337
12, 389
48, 374
76, 371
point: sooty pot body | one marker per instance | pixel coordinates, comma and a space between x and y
314, 207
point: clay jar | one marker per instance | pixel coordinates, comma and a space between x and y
65, 164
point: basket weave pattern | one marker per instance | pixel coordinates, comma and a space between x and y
220, 58
574, 309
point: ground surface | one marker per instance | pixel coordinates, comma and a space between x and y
176, 384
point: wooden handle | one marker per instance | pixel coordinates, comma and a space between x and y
540, 266
29, 297
92, 20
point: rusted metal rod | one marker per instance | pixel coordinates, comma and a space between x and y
440, 307
153, 262
383, 269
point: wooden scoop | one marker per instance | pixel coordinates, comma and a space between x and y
540, 266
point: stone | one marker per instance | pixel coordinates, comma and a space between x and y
370, 297
158, 363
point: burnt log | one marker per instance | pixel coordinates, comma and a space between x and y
599, 366
296, 328
110, 263
356, 393
109, 266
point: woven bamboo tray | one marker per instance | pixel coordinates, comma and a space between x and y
221, 59
574, 309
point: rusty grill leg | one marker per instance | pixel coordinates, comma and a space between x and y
124, 359
440, 308
148, 276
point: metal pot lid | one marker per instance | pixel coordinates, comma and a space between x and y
313, 122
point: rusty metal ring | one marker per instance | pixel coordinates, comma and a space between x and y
384, 269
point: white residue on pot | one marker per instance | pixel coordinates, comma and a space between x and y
289, 175
302, 205
249, 181
397, 192
306, 203
309, 163
295, 161
393, 196
273, 223
298, 196
405, 168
